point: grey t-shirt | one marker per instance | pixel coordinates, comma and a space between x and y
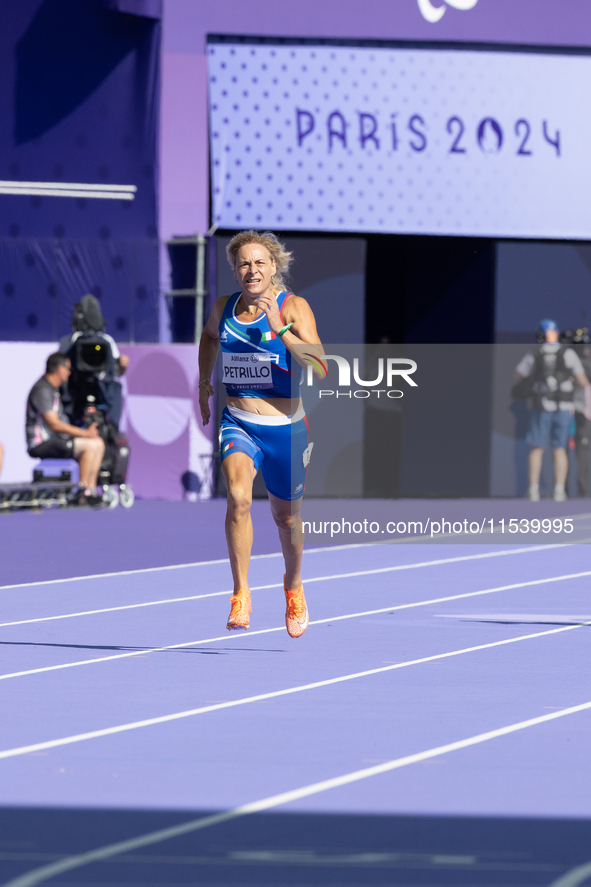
42, 398
526, 367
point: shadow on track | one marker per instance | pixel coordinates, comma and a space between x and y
287, 849
209, 652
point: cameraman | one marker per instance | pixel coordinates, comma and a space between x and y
88, 322
579, 340
50, 436
550, 369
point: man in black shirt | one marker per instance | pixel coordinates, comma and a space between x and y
49, 434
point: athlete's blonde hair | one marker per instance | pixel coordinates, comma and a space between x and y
274, 247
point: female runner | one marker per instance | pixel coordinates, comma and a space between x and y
263, 425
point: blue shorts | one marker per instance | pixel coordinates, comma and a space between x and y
546, 427
280, 451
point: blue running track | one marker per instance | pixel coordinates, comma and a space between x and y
432, 727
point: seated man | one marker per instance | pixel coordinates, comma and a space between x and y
50, 436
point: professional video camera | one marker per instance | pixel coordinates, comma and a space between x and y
93, 365
93, 394
579, 336
581, 342
91, 359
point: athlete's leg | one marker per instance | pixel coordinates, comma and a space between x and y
286, 514
239, 472
284, 472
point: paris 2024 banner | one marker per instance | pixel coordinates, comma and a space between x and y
409, 140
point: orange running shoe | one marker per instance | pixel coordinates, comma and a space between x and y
296, 614
241, 609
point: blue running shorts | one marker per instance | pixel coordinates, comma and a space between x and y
281, 451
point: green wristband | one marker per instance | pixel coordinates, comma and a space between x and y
285, 329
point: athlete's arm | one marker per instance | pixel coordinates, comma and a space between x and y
303, 331
209, 345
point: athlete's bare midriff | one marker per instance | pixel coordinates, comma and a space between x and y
266, 406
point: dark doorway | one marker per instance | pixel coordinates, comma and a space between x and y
429, 289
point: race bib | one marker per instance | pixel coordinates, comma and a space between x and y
247, 370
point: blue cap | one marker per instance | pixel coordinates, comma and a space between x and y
546, 325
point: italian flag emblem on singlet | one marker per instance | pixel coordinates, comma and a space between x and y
266, 337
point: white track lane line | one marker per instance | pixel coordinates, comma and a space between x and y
328, 548
231, 636
172, 600
38, 876
223, 560
219, 706
414, 566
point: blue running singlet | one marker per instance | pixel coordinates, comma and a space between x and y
255, 362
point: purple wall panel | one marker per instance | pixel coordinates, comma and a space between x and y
183, 145
166, 440
79, 104
186, 22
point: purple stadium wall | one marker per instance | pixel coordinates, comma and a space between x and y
79, 106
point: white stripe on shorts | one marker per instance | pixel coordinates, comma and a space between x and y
257, 419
